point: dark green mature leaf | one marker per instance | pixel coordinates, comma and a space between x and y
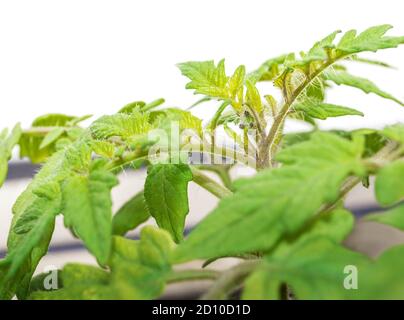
276, 202
32, 233
166, 194
393, 217
7, 144
389, 186
87, 210
130, 215
320, 110
367, 86
314, 269
372, 39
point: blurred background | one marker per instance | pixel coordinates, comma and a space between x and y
94, 56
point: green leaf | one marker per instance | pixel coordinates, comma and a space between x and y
268, 71
131, 107
166, 195
32, 233
372, 39
30, 142
317, 269
393, 217
185, 119
236, 81
253, 97
142, 265
317, 52
276, 202
121, 125
335, 225
130, 215
7, 144
25, 249
206, 78
77, 282
372, 62
51, 137
87, 210
313, 269
367, 86
394, 132
389, 185
319, 110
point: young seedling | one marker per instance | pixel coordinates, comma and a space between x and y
285, 224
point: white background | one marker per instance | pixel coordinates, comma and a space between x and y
82, 57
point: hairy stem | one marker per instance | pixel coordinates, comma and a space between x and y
209, 184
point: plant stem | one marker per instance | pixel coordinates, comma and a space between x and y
192, 275
230, 280
222, 171
209, 184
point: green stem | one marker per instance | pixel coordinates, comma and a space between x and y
230, 280
222, 171
209, 184
192, 275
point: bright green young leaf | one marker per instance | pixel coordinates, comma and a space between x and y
320, 110
367, 86
121, 125
130, 215
206, 78
87, 210
372, 39
389, 186
166, 194
7, 144
236, 82
253, 97
276, 202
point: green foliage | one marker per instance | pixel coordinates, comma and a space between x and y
166, 195
367, 86
288, 219
319, 110
87, 209
273, 203
133, 213
390, 183
138, 270
7, 143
